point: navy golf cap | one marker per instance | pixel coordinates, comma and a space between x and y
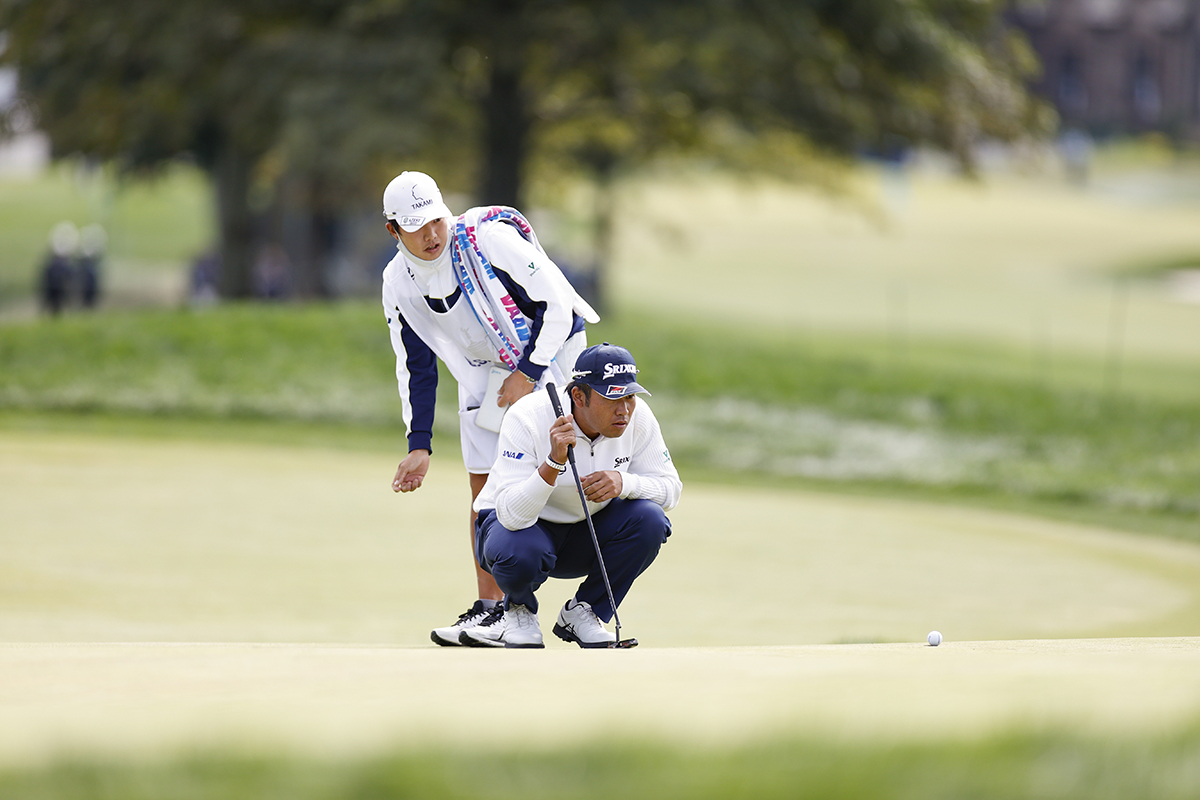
608, 369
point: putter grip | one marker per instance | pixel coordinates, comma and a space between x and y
550, 390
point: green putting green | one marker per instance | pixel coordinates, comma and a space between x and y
344, 701
157, 596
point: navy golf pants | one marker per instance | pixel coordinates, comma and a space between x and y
629, 531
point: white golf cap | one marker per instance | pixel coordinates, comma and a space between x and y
413, 199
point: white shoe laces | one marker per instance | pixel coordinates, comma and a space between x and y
522, 617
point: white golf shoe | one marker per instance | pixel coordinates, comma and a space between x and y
516, 627
579, 624
448, 636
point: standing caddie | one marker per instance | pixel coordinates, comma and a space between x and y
531, 525
478, 292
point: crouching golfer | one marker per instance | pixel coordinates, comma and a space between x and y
531, 524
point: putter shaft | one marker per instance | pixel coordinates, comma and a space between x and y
587, 515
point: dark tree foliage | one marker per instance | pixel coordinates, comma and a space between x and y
323, 100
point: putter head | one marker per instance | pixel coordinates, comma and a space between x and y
623, 644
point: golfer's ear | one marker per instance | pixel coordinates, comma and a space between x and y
393, 229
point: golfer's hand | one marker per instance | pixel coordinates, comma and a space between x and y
601, 486
411, 472
515, 386
562, 436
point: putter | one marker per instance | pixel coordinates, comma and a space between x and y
619, 643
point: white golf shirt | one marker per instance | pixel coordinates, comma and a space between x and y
520, 496
455, 335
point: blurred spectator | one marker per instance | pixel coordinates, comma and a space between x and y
272, 273
206, 277
92, 240
57, 271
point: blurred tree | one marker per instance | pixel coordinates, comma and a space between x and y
140, 83
778, 86
322, 99
545, 88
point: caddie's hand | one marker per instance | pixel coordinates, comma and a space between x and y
411, 472
562, 436
515, 386
601, 486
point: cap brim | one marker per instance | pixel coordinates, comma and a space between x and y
412, 224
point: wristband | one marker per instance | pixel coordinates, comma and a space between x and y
554, 465
526, 377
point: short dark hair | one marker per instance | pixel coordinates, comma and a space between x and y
579, 384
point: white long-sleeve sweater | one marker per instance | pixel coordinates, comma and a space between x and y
520, 495
422, 330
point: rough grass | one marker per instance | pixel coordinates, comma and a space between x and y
306, 363
1046, 766
960, 420
958, 417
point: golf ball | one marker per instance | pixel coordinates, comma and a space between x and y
934, 638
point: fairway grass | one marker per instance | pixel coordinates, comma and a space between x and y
1032, 262
165, 597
